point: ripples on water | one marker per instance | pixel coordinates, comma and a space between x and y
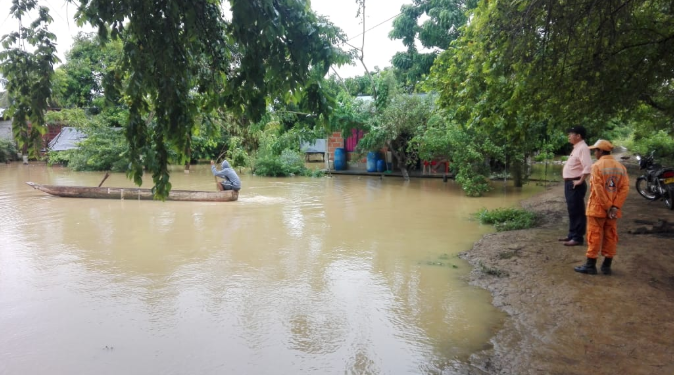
332, 275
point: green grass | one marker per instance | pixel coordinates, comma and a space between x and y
504, 219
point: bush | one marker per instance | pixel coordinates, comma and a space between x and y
7, 150
270, 166
289, 163
505, 219
660, 142
472, 183
59, 157
236, 154
103, 150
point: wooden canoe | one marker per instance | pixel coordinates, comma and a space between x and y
135, 193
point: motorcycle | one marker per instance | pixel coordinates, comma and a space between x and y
657, 183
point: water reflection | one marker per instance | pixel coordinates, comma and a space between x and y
333, 275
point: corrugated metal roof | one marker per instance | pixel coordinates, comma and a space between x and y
319, 145
67, 139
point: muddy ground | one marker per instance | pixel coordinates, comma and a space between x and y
563, 322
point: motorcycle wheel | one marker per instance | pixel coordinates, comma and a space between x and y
669, 197
644, 189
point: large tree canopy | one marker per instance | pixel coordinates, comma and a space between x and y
183, 56
587, 59
444, 19
79, 82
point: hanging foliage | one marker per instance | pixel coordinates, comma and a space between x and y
27, 74
183, 57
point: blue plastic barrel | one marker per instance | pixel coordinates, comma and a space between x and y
371, 161
340, 159
381, 165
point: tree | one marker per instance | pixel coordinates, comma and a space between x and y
487, 97
80, 81
585, 59
183, 57
27, 75
445, 19
395, 126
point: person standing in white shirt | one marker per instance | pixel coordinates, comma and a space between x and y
576, 170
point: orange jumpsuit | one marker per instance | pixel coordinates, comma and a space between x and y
609, 187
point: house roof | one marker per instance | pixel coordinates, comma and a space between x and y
369, 98
67, 139
319, 145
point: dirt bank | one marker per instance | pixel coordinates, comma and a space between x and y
563, 322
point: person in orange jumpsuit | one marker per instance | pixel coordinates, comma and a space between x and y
609, 185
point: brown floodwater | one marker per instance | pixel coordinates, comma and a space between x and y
300, 276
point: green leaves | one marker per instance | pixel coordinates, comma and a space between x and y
182, 59
28, 75
85, 76
505, 219
445, 19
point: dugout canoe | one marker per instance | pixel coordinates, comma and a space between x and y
134, 193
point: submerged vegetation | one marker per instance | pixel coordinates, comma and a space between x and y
7, 150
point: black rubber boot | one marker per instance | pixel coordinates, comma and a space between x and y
590, 267
606, 266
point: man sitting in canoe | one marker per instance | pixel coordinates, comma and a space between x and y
230, 181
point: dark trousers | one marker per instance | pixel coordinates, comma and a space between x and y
575, 203
226, 185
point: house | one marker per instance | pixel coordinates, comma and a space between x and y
336, 140
350, 143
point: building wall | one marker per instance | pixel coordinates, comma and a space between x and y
52, 131
334, 141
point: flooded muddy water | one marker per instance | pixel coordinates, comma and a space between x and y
299, 276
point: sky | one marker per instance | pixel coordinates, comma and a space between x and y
379, 49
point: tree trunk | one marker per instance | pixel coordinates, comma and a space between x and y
402, 161
24, 153
189, 156
517, 171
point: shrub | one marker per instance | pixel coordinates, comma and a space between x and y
7, 150
660, 142
59, 157
103, 150
236, 154
505, 219
289, 163
270, 166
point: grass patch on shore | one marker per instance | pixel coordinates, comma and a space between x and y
504, 219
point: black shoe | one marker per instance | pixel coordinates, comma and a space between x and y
606, 266
590, 267
572, 243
